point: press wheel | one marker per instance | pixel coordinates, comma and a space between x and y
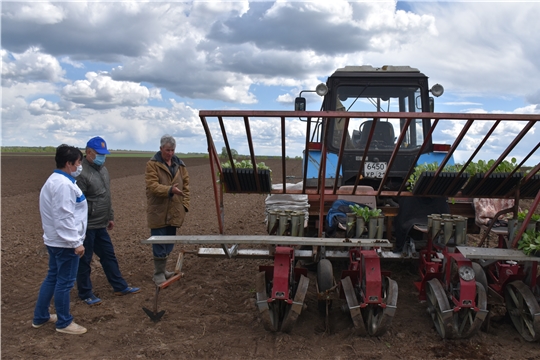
439, 308
378, 319
523, 309
325, 281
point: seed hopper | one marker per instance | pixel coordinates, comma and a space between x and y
346, 161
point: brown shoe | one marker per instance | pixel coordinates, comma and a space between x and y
73, 329
52, 319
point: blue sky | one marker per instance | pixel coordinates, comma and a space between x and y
133, 71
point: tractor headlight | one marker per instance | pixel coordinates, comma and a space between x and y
466, 273
321, 89
437, 90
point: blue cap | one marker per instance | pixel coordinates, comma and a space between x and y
98, 144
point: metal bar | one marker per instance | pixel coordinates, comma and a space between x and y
394, 154
420, 151
283, 155
514, 142
531, 174
306, 156
212, 154
252, 154
449, 154
266, 254
352, 114
526, 220
494, 254
322, 178
341, 148
489, 133
231, 160
264, 240
368, 143
495, 218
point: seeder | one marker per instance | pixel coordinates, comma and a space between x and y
375, 127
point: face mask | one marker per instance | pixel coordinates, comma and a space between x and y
99, 160
77, 172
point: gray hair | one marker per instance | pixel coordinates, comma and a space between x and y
168, 139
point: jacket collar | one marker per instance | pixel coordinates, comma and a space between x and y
97, 167
174, 160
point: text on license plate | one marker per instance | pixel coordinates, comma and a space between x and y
374, 169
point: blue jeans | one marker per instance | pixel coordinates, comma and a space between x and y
162, 250
99, 242
63, 264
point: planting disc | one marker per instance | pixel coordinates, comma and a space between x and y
523, 309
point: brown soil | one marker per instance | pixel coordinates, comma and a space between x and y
211, 312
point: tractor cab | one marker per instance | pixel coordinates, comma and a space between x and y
371, 139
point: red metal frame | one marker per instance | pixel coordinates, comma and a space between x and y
364, 265
282, 274
321, 192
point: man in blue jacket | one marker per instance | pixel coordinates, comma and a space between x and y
94, 182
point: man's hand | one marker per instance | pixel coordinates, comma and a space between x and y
175, 190
79, 250
110, 225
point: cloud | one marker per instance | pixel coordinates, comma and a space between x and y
100, 91
41, 13
42, 106
75, 64
29, 66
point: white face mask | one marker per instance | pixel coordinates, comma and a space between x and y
77, 172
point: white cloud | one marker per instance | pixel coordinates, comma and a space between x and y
42, 13
30, 66
99, 91
75, 64
42, 106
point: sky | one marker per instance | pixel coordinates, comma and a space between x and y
133, 71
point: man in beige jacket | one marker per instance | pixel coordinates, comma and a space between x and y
167, 194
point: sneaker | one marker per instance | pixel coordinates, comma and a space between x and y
73, 329
128, 290
52, 319
92, 300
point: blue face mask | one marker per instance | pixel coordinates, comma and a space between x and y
99, 160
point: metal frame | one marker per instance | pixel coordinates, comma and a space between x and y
321, 192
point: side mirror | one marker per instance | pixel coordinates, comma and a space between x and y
300, 104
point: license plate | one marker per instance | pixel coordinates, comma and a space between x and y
374, 169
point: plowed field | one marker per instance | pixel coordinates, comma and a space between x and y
210, 313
